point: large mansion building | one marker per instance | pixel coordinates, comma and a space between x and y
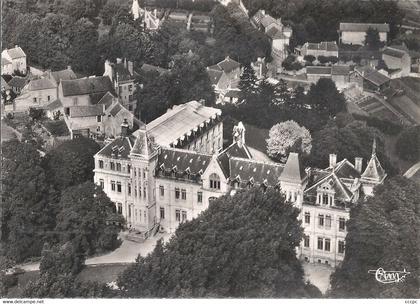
170, 170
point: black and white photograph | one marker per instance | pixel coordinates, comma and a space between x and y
204, 150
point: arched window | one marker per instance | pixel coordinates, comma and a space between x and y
214, 181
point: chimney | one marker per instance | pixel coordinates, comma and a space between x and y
333, 160
239, 134
130, 67
125, 63
108, 70
69, 67
263, 12
124, 128
155, 13
358, 162
202, 102
119, 60
16, 46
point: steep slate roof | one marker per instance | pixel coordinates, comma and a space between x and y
152, 68
345, 169
179, 121
122, 71
340, 70
16, 52
363, 27
226, 65
214, 73
244, 171
144, 143
372, 75
258, 16
54, 105
17, 82
41, 84
181, 160
293, 170
86, 111
234, 150
119, 147
116, 109
275, 33
106, 100
374, 170
317, 70
84, 86
342, 193
268, 20
66, 74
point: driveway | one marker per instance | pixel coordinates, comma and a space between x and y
318, 275
125, 254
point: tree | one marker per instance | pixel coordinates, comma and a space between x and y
111, 9
28, 203
86, 219
71, 163
390, 219
325, 98
241, 246
408, 144
309, 58
59, 268
288, 137
372, 39
352, 140
248, 83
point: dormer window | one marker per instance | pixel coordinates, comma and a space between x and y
325, 194
214, 181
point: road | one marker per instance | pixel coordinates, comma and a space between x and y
412, 170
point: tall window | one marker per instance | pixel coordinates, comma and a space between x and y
177, 193
145, 216
306, 240
101, 164
328, 221
112, 185
178, 215
320, 220
101, 183
307, 218
119, 208
112, 165
118, 167
341, 246
129, 188
99, 118
161, 191
325, 199
327, 245
342, 224
162, 213
183, 194
129, 210
128, 169
199, 197
214, 181
320, 243
184, 216
144, 191
119, 187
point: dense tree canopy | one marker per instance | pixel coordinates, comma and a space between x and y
383, 232
286, 137
372, 39
86, 218
354, 139
324, 97
408, 144
27, 202
241, 246
71, 163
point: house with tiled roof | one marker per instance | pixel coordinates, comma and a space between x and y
6, 66
122, 75
151, 20
224, 77
159, 187
355, 33
324, 48
340, 74
369, 79
397, 60
17, 57
278, 33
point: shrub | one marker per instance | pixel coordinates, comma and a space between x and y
309, 58
408, 144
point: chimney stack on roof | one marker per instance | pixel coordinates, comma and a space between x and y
124, 128
333, 160
358, 162
119, 60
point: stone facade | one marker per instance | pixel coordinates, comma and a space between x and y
155, 186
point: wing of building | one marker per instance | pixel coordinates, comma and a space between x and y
161, 175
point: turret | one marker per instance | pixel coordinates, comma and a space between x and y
374, 174
293, 179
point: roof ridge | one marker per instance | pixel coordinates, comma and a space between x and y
187, 151
256, 161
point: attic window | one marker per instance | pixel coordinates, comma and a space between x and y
174, 168
265, 182
165, 156
200, 172
191, 160
188, 171
121, 149
240, 168
268, 171
114, 148
162, 167
255, 170
178, 158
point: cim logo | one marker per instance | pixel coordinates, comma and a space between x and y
387, 277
